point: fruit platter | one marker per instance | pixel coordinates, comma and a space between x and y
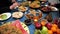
47, 27
31, 18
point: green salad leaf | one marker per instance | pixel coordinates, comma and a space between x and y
3, 16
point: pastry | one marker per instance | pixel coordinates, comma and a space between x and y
33, 12
35, 4
26, 3
23, 8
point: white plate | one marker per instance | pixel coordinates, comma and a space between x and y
22, 25
17, 14
55, 9
25, 27
8, 16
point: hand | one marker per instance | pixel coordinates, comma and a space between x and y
53, 3
44, 0
14, 5
13, 1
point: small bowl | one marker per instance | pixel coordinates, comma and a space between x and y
28, 22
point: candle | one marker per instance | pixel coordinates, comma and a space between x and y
35, 20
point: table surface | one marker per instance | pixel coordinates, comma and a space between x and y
31, 27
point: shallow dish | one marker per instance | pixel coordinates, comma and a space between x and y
20, 25
6, 16
54, 9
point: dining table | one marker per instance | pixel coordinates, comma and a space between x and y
55, 14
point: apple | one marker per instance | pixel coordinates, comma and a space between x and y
44, 30
38, 25
37, 31
55, 21
48, 25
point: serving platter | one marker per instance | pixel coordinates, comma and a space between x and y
54, 9
5, 16
20, 25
